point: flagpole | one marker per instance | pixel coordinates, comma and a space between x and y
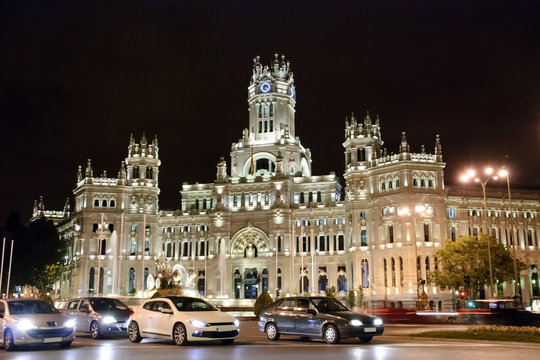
2, 267
9, 271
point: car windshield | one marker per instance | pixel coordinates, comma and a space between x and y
24, 307
325, 305
188, 304
107, 304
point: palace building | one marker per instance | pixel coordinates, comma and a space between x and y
267, 223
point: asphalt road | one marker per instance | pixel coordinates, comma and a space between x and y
252, 345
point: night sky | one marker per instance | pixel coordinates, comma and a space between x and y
77, 77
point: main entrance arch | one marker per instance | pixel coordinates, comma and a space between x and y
248, 250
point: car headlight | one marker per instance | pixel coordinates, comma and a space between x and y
377, 322
25, 324
199, 323
236, 322
108, 320
70, 323
356, 322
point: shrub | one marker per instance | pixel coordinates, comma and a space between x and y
351, 299
262, 301
45, 297
331, 292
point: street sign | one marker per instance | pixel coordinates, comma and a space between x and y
424, 299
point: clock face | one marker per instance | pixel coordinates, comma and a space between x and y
265, 87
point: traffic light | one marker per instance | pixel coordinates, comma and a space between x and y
462, 294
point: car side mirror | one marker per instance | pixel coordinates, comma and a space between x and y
311, 311
166, 311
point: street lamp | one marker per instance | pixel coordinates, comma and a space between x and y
505, 173
471, 174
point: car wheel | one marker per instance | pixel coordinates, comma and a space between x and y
227, 341
365, 339
331, 334
95, 332
180, 334
9, 342
272, 332
133, 332
65, 344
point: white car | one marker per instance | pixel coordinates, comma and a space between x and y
32, 321
182, 319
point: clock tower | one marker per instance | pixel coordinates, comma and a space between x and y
272, 101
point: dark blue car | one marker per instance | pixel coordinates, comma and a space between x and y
317, 317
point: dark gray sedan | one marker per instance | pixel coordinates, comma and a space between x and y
320, 317
99, 316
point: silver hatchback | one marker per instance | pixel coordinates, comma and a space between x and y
32, 321
99, 316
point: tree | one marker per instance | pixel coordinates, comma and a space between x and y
262, 301
331, 292
465, 262
360, 297
36, 247
351, 299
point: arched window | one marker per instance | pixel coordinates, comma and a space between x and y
423, 182
385, 273
364, 265
400, 271
103, 247
96, 202
453, 234
396, 182
169, 250
390, 185
430, 183
135, 172
415, 182
133, 247
323, 279
301, 198
322, 243
428, 270
91, 280
149, 172
95, 227
342, 279
112, 204
101, 280
393, 264
201, 283
383, 186
271, 109
104, 203
146, 272
363, 238
131, 281
133, 227
147, 248
260, 111
341, 242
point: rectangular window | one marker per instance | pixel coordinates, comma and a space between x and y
271, 125
260, 127
426, 232
391, 234
266, 126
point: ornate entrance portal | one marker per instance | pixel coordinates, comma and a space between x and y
249, 249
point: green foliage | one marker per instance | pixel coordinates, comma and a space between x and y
351, 298
360, 297
262, 301
468, 258
45, 297
331, 292
37, 253
48, 276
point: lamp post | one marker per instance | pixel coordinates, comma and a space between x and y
471, 174
514, 245
277, 288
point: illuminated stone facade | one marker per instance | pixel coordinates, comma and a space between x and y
268, 223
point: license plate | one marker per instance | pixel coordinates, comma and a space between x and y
52, 340
370, 330
227, 328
